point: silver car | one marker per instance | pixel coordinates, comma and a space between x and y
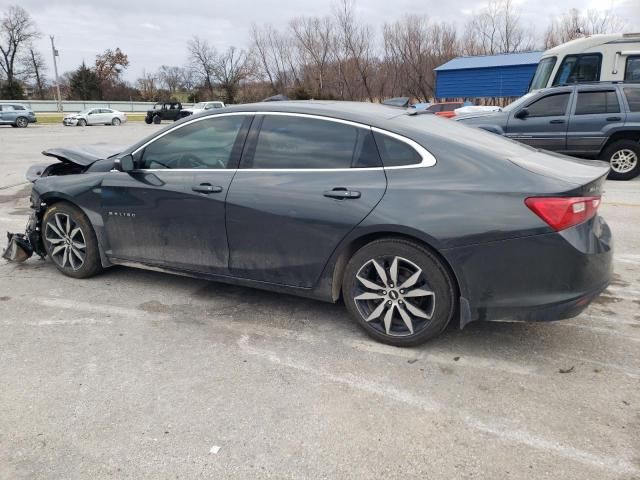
95, 116
16, 115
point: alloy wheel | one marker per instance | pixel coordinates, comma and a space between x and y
624, 160
22, 122
393, 295
66, 242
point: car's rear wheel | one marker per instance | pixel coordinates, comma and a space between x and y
399, 292
82, 122
70, 241
22, 122
116, 121
157, 119
624, 158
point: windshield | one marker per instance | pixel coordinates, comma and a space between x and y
522, 100
85, 112
543, 72
199, 105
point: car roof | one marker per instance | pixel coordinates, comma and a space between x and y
360, 112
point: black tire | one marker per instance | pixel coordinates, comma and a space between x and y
157, 119
116, 121
22, 122
53, 223
624, 158
433, 279
82, 122
147, 120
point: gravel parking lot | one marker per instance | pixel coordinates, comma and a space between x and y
137, 374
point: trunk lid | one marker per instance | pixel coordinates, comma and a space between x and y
588, 176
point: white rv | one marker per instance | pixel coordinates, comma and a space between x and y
595, 58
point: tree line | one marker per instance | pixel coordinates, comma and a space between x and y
336, 56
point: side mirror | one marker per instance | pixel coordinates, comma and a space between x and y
522, 114
124, 164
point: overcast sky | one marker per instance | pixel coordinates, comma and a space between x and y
155, 32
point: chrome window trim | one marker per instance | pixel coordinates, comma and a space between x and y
428, 160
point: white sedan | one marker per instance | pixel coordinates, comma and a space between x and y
95, 116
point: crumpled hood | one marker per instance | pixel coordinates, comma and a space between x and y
84, 155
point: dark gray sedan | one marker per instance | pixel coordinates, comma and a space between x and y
415, 222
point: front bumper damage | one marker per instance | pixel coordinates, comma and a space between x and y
22, 246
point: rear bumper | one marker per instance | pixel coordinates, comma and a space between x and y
537, 278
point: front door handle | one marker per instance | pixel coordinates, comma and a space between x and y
341, 193
614, 119
206, 188
556, 121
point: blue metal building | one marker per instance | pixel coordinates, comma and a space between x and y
506, 75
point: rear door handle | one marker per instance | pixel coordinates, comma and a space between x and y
614, 119
556, 121
341, 193
206, 188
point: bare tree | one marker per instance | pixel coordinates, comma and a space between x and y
415, 47
231, 68
355, 48
574, 24
147, 84
170, 77
275, 58
203, 61
17, 32
314, 39
35, 68
496, 29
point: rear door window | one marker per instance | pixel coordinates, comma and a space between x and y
597, 102
549, 106
633, 98
396, 153
632, 69
293, 142
579, 69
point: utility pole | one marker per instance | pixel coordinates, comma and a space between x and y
55, 68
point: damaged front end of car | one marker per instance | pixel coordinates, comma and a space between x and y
70, 161
22, 246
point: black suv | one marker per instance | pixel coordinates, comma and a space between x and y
588, 120
163, 111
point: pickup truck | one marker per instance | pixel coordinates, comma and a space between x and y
600, 120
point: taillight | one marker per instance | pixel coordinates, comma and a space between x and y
563, 212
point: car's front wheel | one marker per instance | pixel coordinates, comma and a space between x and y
22, 122
157, 119
399, 292
70, 241
147, 120
82, 122
624, 158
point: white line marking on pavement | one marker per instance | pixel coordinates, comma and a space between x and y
352, 381
90, 307
465, 361
494, 427
510, 434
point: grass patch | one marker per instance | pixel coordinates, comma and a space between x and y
48, 118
